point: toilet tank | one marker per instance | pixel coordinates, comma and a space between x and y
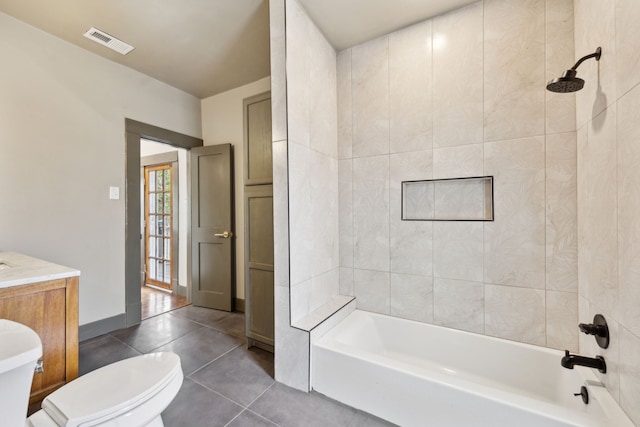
20, 348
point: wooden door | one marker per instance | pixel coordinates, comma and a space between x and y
158, 225
212, 237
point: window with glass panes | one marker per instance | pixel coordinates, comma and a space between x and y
158, 209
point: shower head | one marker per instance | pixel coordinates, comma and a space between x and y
569, 82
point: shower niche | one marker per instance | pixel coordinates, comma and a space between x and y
451, 199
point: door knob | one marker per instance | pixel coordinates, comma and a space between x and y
224, 235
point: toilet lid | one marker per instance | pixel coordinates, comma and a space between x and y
113, 389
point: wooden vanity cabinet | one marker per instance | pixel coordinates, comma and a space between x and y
51, 309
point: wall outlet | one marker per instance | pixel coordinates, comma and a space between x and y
114, 193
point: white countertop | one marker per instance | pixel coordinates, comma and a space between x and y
18, 269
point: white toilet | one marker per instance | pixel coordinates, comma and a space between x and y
132, 392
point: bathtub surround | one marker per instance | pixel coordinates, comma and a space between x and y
402, 114
608, 122
313, 164
306, 192
292, 344
455, 97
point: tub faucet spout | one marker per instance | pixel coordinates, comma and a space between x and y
570, 360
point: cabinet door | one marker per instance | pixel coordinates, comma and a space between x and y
41, 307
259, 263
258, 165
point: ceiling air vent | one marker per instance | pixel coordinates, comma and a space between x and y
108, 41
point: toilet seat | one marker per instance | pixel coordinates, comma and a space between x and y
151, 380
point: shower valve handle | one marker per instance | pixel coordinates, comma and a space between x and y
598, 329
591, 329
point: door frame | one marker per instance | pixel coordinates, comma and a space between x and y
135, 130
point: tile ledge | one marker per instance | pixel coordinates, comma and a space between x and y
322, 313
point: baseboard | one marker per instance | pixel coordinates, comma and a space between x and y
260, 345
240, 305
101, 327
181, 291
133, 313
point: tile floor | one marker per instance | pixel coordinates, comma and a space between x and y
225, 383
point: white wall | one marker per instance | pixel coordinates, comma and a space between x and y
150, 148
184, 275
222, 123
609, 189
62, 144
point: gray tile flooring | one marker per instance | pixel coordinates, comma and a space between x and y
225, 383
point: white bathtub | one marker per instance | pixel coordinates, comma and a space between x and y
415, 374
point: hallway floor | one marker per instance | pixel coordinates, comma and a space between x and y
225, 384
155, 301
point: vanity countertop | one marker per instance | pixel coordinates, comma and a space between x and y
18, 269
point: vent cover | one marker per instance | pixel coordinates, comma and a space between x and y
108, 41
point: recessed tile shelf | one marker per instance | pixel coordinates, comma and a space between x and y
452, 199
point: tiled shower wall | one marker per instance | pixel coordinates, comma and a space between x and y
305, 182
463, 95
313, 163
608, 122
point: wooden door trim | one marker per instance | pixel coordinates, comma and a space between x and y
165, 136
135, 130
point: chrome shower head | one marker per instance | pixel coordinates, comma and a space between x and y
569, 82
